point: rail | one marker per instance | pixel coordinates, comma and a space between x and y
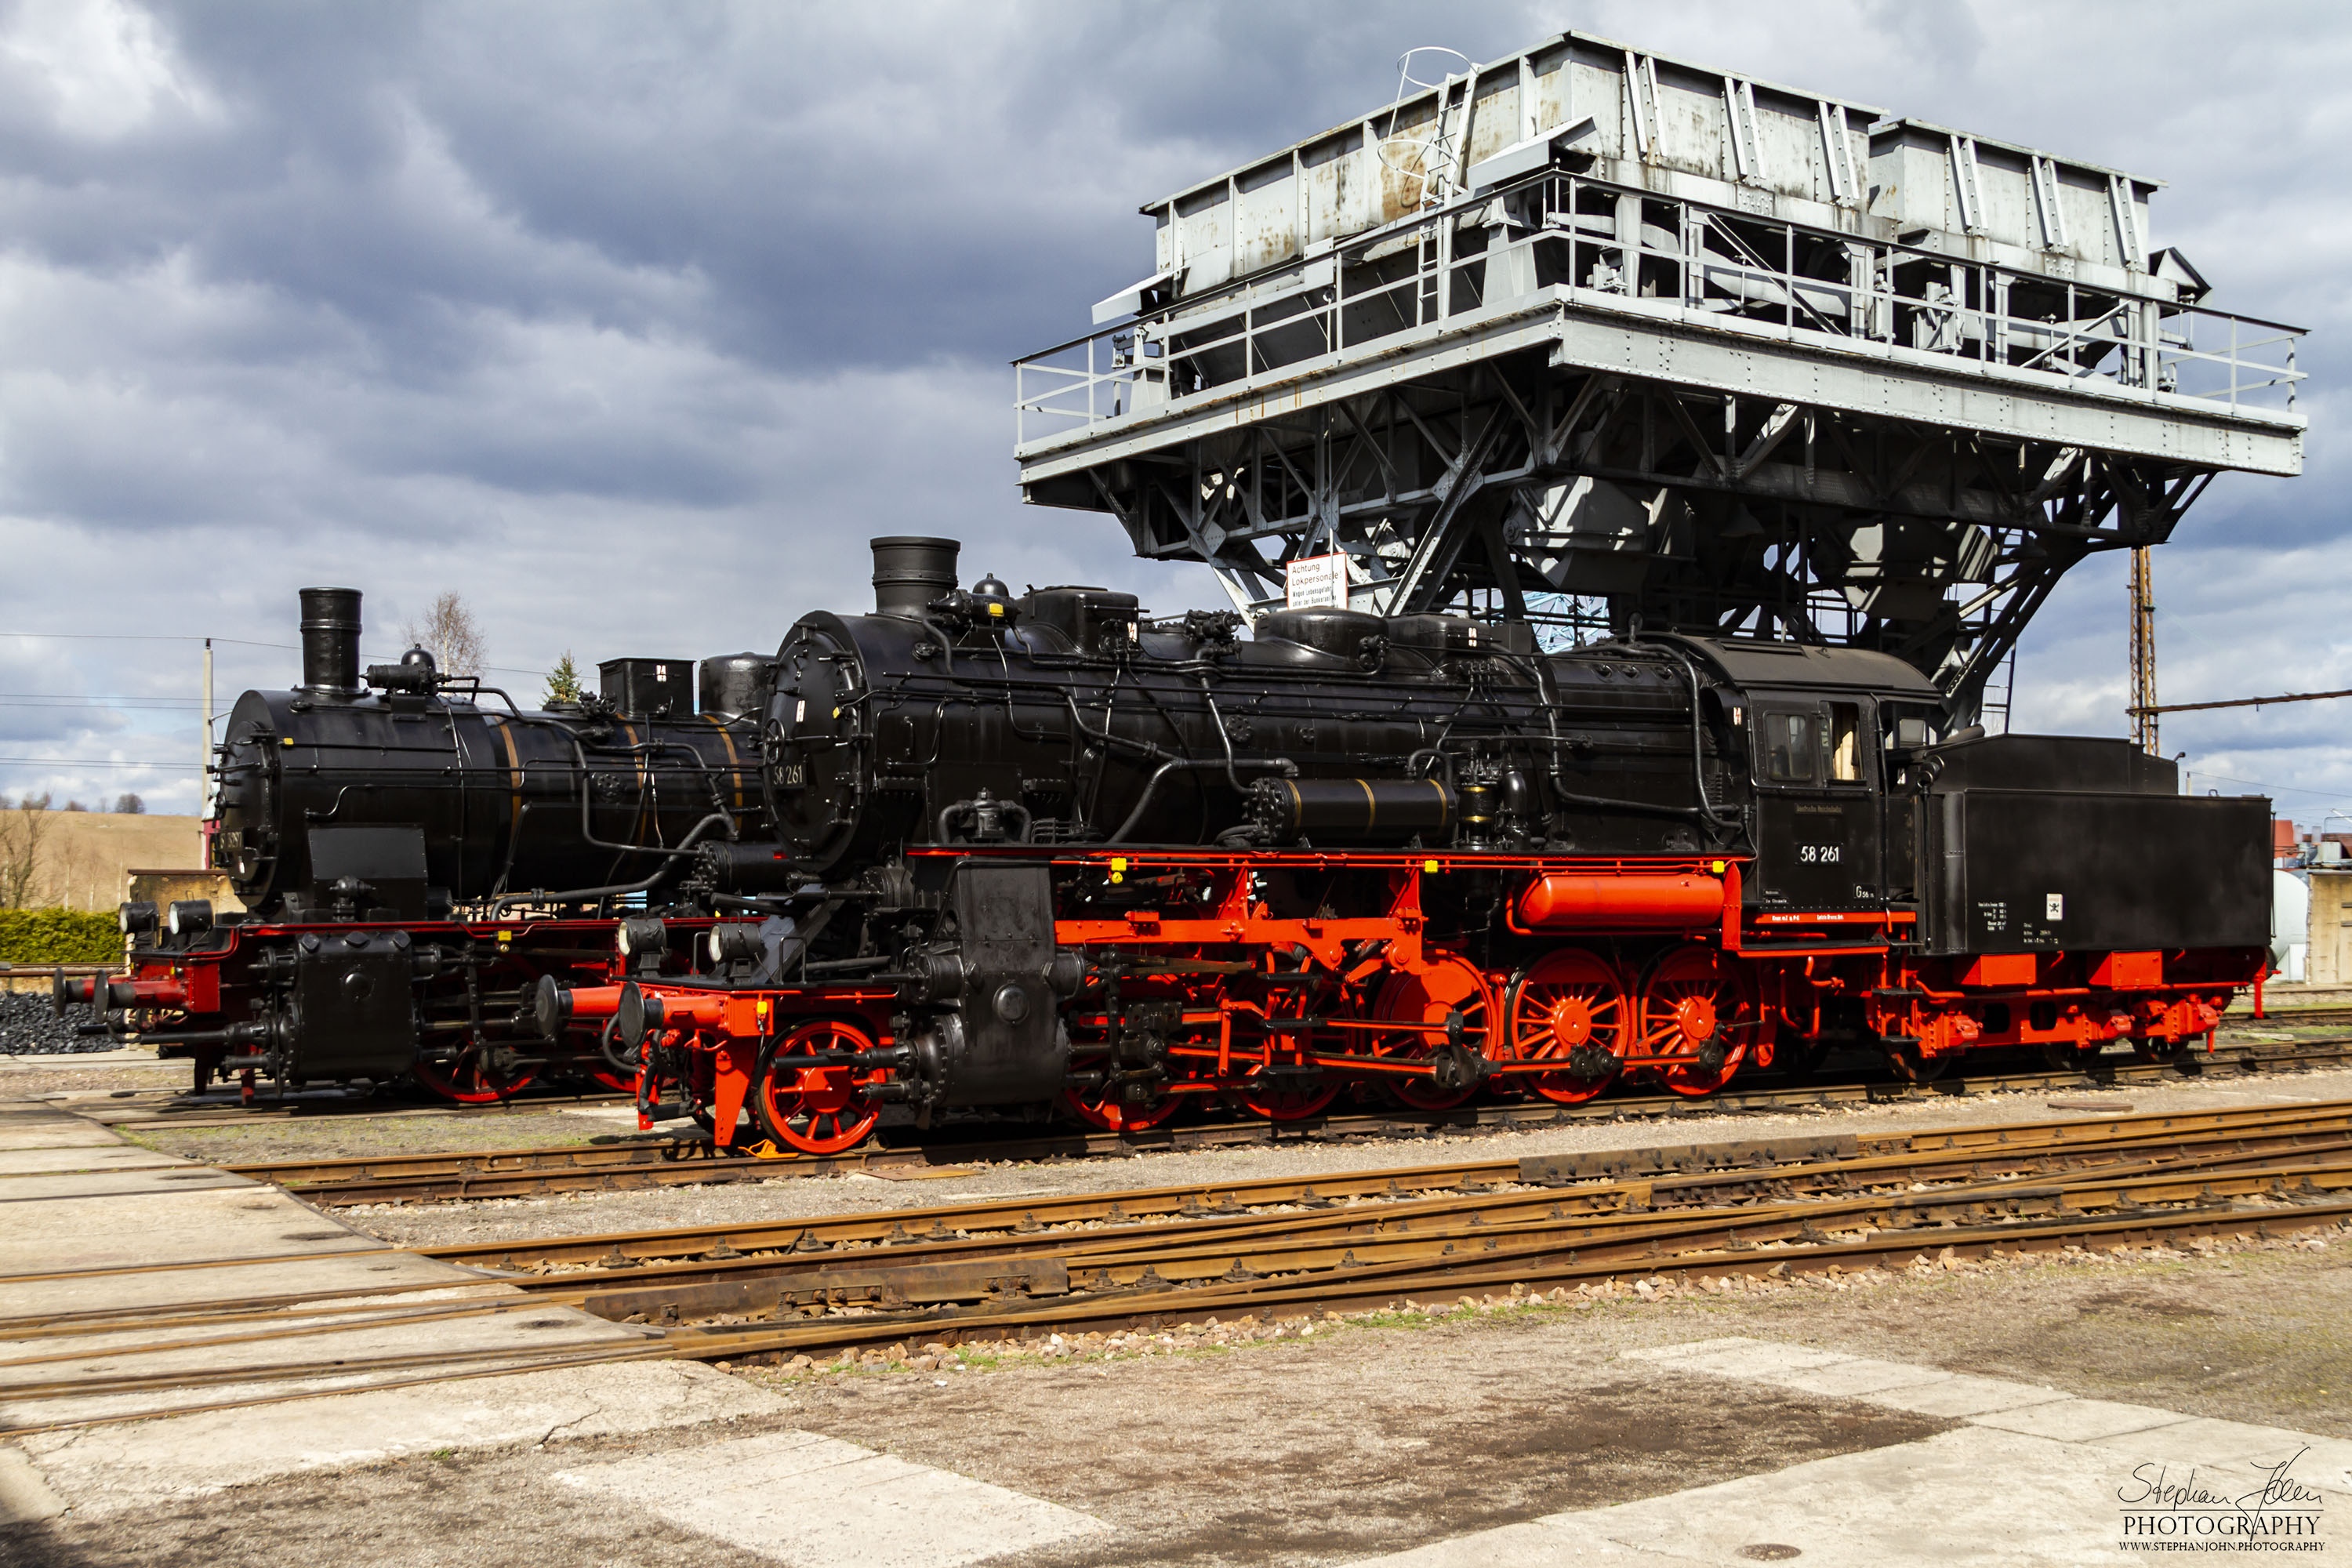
488, 1175
1602, 247
1165, 1257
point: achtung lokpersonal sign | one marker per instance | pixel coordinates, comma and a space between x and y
1319, 582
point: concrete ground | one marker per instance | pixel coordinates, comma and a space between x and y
1890, 1419
1495, 1434
89, 1223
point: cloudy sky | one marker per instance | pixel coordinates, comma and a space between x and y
634, 323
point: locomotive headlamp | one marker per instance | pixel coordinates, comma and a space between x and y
734, 942
189, 916
135, 918
642, 936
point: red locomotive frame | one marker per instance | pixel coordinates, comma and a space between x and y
1654, 962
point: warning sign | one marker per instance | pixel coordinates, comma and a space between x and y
1319, 582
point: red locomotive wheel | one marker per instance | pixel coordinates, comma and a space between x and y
612, 1077
471, 1080
1110, 1111
1429, 999
1913, 1065
816, 1110
1270, 1096
1570, 998
1284, 1103
1691, 997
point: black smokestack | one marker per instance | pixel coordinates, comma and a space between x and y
331, 641
910, 572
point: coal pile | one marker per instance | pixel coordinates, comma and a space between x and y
29, 1027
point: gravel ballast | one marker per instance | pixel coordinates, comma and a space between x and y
30, 1025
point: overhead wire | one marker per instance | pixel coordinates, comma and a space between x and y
234, 642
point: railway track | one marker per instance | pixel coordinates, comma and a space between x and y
177, 1110
1153, 1256
2290, 1018
527, 1173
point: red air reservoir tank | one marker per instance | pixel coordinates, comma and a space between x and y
1574, 901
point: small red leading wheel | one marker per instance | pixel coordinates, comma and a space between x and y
818, 1110
474, 1077
1692, 997
1569, 1000
1110, 1109
1289, 1095
1431, 999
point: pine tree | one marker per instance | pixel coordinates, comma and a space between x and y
563, 681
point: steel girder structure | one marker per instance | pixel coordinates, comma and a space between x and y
1587, 336
1588, 501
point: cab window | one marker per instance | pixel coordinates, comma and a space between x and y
1845, 742
1791, 748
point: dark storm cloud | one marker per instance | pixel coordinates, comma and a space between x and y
633, 322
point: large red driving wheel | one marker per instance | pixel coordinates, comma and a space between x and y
1570, 999
818, 1110
1111, 1109
472, 1079
1430, 999
1694, 995
1266, 1093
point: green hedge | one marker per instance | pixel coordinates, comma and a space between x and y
58, 936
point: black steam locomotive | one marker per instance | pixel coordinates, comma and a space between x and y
978, 848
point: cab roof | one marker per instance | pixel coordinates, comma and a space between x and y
1767, 664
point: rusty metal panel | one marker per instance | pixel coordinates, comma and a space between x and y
1671, 126
1337, 184
1405, 171
1265, 216
1494, 116
1204, 237
1691, 130
1920, 183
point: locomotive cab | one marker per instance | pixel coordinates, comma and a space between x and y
1817, 724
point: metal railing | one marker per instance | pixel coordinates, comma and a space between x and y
1612, 249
